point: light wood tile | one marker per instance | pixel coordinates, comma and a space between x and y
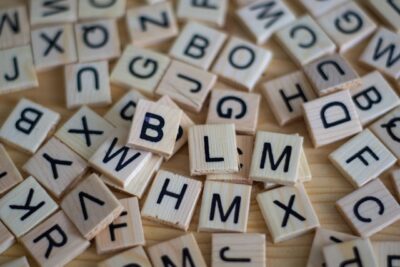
135, 257
9, 174
213, 12
318, 8
388, 11
387, 253
18, 262
15, 30
304, 174
89, 9
6, 238
43, 12
395, 175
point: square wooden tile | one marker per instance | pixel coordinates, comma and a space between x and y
135, 256
247, 250
242, 63
318, 8
330, 74
197, 45
213, 12
18, 262
25, 206
151, 24
213, 149
28, 125
43, 12
395, 175
241, 109
276, 158
124, 232
369, 209
9, 174
56, 167
17, 69
84, 132
89, 9
347, 25
187, 85
55, 242
331, 118
387, 11
7, 239
87, 84
97, 40
362, 159
264, 17
91, 206
224, 207
53, 46
15, 27
139, 68
155, 127
387, 253
172, 199
176, 251
381, 51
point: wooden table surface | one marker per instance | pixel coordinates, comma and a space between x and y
326, 187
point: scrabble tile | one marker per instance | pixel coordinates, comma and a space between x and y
53, 46
89, 9
91, 206
224, 207
347, 25
304, 173
151, 24
322, 238
197, 45
28, 125
15, 30
84, 132
395, 175
179, 250
25, 206
369, 209
117, 161
387, 253
331, 118
155, 127
97, 40
276, 158
124, 232
213, 12
212, 149
56, 167
121, 113
318, 8
185, 123
305, 41
187, 85
55, 242
264, 17
247, 250
330, 74
286, 94
388, 11
242, 63
241, 109
17, 70
44, 12
382, 51
374, 97
132, 257
18, 262
139, 68
357, 252
362, 159
87, 84
6, 238
9, 174
288, 212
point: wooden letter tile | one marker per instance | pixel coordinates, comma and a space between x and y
187, 85
241, 109
331, 118
152, 24
362, 159
276, 158
387, 253
89, 9
18, 262
177, 251
198, 45
55, 242
28, 125
369, 209
124, 232
91, 206
247, 250
242, 63
212, 149
15, 30
139, 68
224, 207
318, 8
6, 238
388, 11
132, 257
25, 206
9, 174
84, 132
56, 167
43, 12
213, 12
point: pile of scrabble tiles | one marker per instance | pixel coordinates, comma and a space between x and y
93, 179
